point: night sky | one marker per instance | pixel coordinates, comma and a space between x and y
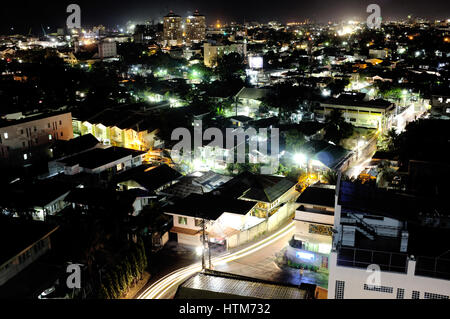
25, 14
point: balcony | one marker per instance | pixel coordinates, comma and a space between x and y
361, 258
433, 267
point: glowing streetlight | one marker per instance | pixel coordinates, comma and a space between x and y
326, 92
300, 158
199, 250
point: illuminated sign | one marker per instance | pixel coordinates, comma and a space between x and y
255, 62
304, 255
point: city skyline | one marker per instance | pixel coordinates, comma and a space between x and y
117, 13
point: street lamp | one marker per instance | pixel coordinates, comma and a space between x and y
300, 159
199, 250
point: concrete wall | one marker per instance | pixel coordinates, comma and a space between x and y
23, 260
355, 278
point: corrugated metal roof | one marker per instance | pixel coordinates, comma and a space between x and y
242, 287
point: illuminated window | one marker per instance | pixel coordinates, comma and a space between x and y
5, 135
182, 220
119, 167
305, 255
25, 156
49, 136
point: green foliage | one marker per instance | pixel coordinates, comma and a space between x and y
389, 141
294, 140
295, 173
111, 285
121, 279
337, 128
330, 177
228, 64
238, 168
282, 170
103, 292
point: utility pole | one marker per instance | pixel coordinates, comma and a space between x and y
203, 244
209, 255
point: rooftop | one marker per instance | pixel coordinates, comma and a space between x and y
100, 156
264, 188
320, 196
376, 103
252, 93
74, 146
151, 178
209, 206
39, 116
222, 285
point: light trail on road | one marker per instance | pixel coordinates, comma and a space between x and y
162, 286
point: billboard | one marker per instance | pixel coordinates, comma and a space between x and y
255, 62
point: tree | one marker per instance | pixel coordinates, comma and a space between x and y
103, 292
111, 285
126, 266
295, 173
121, 278
294, 140
337, 128
228, 64
330, 177
389, 141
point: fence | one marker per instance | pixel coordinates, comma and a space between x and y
361, 258
433, 267
268, 225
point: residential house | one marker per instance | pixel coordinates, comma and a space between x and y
223, 217
112, 160
267, 191
314, 220
153, 179
248, 100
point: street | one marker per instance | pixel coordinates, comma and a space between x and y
166, 286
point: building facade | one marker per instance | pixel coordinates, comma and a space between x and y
195, 28
27, 138
173, 34
382, 249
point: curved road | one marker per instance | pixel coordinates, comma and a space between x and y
166, 286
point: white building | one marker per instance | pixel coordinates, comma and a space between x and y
386, 246
223, 217
23, 138
314, 219
107, 49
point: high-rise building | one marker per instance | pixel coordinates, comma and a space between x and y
195, 28
172, 29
